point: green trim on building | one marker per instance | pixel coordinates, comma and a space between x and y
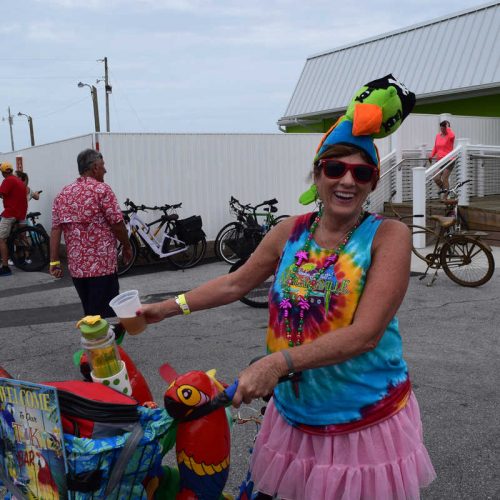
488, 105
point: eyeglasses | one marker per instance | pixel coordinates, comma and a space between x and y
335, 169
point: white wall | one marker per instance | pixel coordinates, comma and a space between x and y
203, 170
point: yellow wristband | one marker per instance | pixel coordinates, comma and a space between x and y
55, 263
180, 300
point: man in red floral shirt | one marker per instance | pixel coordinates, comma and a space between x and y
88, 215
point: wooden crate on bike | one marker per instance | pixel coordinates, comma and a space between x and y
190, 230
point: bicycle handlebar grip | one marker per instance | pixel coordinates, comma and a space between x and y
231, 390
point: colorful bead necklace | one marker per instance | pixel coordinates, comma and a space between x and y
302, 256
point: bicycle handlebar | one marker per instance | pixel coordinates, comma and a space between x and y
136, 208
225, 397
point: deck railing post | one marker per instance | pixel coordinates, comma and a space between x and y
419, 203
463, 167
480, 175
396, 146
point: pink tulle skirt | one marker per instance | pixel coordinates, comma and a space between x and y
386, 461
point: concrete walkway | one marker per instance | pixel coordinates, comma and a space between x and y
450, 334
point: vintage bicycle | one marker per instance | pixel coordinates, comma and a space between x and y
181, 242
29, 245
239, 239
464, 258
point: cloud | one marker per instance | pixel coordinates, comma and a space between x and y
47, 31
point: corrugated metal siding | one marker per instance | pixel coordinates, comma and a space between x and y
203, 171
450, 54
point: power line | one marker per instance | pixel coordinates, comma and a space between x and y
74, 103
129, 103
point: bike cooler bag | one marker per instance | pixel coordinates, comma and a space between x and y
93, 410
113, 445
119, 467
190, 230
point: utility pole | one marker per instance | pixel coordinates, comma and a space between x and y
10, 127
30, 123
108, 89
93, 91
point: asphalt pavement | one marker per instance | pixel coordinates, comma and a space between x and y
450, 334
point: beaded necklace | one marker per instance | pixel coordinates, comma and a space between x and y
302, 256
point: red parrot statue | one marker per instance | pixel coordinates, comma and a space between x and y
203, 442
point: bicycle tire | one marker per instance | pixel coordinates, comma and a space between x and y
39, 226
29, 248
467, 261
234, 233
426, 254
259, 296
279, 219
124, 268
188, 258
219, 235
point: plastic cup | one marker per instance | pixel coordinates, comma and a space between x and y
125, 306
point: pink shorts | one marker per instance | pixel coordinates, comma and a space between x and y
386, 461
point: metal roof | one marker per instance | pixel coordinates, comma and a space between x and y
454, 54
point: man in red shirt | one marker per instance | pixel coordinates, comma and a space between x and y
87, 213
15, 204
443, 145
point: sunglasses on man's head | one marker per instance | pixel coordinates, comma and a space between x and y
335, 169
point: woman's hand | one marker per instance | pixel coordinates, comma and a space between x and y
259, 379
153, 313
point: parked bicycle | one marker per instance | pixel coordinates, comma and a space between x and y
239, 239
181, 242
463, 257
29, 247
452, 208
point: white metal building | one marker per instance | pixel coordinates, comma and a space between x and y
452, 58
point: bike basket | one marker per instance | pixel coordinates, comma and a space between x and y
190, 230
118, 467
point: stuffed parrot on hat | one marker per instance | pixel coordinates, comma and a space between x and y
376, 110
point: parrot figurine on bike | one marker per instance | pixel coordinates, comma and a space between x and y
376, 111
196, 401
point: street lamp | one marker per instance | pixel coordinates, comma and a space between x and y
30, 123
93, 93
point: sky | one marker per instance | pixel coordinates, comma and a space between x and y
175, 66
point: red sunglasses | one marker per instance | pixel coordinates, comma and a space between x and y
362, 172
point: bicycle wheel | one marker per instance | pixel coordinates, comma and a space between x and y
279, 219
189, 257
230, 242
259, 296
123, 268
29, 248
467, 261
426, 254
219, 235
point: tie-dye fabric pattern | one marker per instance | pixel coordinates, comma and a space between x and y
348, 391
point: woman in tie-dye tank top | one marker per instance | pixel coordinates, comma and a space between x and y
346, 424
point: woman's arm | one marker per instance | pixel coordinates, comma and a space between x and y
385, 287
229, 287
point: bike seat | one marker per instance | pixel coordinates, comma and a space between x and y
444, 221
450, 202
33, 214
